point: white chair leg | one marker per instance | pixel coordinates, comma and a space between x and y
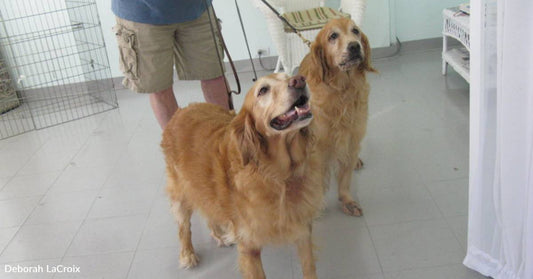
444, 49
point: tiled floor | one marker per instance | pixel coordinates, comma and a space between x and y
90, 192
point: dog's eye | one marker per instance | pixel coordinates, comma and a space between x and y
262, 91
333, 36
355, 31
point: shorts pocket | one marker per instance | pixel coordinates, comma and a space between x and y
127, 45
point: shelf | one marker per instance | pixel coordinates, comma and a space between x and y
456, 24
459, 59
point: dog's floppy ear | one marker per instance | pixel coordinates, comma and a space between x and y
249, 141
319, 62
366, 66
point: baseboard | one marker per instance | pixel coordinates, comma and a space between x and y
411, 46
245, 65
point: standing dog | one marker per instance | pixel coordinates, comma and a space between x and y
252, 176
336, 72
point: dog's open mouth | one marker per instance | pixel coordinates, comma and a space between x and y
300, 110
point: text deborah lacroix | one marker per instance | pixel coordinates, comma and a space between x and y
42, 268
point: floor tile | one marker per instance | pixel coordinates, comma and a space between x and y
44, 161
415, 245
11, 162
164, 263
14, 212
76, 178
359, 276
46, 241
457, 271
97, 153
451, 196
132, 173
6, 235
28, 185
4, 181
122, 201
63, 207
400, 203
107, 235
459, 225
342, 252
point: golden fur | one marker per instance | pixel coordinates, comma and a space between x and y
255, 185
339, 89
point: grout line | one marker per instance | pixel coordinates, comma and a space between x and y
373, 245
99, 189
55, 181
445, 219
154, 199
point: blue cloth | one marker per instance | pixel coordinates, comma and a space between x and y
159, 11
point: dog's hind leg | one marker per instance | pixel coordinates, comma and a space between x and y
349, 206
182, 213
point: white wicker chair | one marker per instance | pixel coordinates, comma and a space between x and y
290, 48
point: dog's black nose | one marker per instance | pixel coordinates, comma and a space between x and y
297, 82
354, 48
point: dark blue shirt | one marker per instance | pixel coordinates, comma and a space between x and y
159, 11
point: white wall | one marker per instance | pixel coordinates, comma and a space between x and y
420, 19
107, 19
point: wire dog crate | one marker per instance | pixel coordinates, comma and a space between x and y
53, 64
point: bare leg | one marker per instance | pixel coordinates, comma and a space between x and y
349, 206
183, 213
250, 262
216, 92
307, 260
164, 105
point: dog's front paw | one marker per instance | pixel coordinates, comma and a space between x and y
188, 259
352, 208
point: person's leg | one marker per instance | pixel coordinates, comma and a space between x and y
164, 105
144, 59
216, 92
198, 56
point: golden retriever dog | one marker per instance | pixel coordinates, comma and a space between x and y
251, 175
336, 70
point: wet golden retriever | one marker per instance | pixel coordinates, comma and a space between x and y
336, 70
251, 175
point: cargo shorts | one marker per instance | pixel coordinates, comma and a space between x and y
149, 52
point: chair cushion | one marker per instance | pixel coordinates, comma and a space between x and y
311, 19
